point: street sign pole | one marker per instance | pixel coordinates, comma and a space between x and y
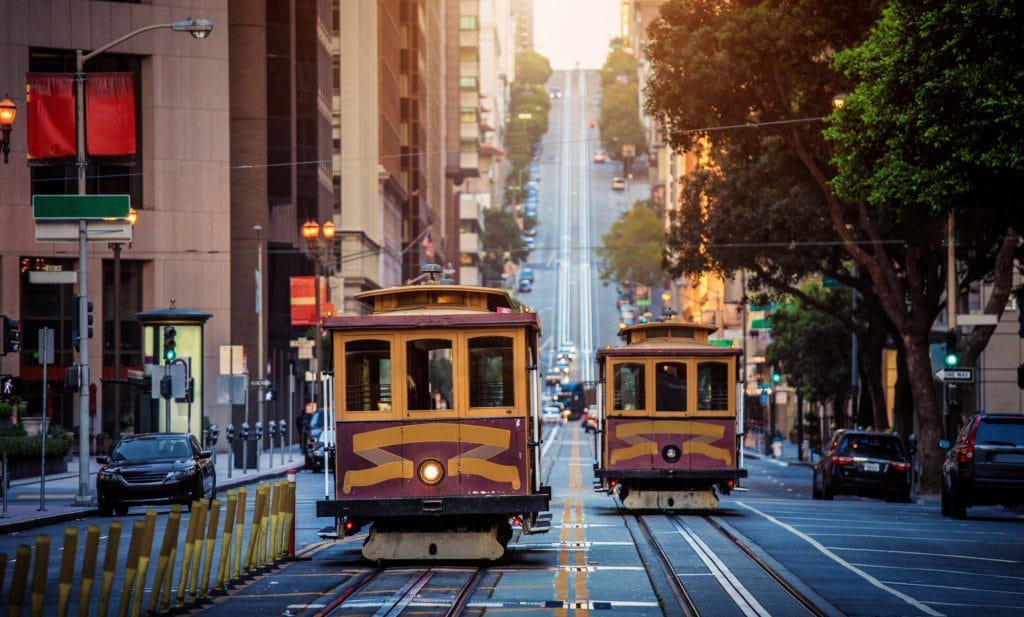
83, 498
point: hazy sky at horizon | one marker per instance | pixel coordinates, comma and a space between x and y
571, 31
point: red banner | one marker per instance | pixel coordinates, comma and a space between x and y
50, 101
303, 302
110, 114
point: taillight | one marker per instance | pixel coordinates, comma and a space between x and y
901, 466
965, 453
842, 461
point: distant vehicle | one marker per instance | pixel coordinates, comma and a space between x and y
591, 422
152, 469
316, 462
526, 274
551, 415
525, 286
985, 465
618, 184
600, 156
568, 349
867, 463
556, 93
553, 377
529, 242
530, 231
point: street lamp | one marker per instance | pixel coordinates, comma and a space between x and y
320, 245
7, 112
133, 216
200, 29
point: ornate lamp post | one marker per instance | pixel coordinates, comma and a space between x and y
200, 29
133, 216
8, 110
320, 246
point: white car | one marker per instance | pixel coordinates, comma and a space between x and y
551, 415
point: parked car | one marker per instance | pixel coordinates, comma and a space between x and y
556, 93
985, 465
618, 184
600, 156
526, 274
553, 377
551, 415
525, 286
154, 468
867, 463
315, 461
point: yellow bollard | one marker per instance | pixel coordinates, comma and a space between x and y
88, 574
275, 501
131, 567
67, 569
42, 564
211, 543
164, 563
109, 566
254, 531
145, 556
288, 547
199, 510
243, 497
186, 561
19, 579
224, 568
166, 595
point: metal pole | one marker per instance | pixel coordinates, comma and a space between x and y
116, 246
83, 498
318, 333
44, 352
291, 409
167, 402
260, 404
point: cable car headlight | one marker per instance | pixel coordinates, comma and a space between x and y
670, 453
431, 472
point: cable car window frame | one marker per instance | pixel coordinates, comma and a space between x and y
694, 366
384, 401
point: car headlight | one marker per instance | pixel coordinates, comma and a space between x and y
108, 474
184, 472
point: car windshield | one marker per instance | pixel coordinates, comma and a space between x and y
873, 446
317, 419
153, 448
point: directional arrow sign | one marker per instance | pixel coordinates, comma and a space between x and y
955, 374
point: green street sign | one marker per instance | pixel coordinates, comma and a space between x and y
761, 324
80, 207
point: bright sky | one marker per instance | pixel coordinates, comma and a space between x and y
570, 31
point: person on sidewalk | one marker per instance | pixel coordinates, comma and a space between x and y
302, 424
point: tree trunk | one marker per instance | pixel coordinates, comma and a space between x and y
927, 412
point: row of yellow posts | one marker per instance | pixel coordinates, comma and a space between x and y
265, 546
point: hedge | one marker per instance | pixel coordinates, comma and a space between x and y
20, 448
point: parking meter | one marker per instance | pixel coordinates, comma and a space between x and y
212, 432
282, 426
271, 430
244, 434
229, 432
259, 430
912, 444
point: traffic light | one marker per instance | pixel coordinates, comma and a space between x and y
952, 358
75, 326
169, 344
776, 378
11, 335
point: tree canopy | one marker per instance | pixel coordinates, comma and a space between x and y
532, 68
632, 247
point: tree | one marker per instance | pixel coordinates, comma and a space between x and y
633, 247
532, 68
620, 119
501, 241
821, 373
763, 68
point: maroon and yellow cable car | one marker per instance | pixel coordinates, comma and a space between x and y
668, 431
437, 400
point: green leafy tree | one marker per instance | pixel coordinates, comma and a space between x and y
620, 119
501, 240
633, 247
619, 66
532, 68
821, 373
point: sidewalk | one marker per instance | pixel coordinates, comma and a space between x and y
61, 490
790, 456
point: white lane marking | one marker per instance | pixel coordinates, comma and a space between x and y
839, 560
739, 594
943, 555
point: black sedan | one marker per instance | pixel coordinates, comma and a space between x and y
867, 463
154, 468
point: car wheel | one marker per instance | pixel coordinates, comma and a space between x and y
945, 501
105, 507
827, 492
815, 491
957, 505
121, 509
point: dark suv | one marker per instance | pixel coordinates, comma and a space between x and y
985, 466
868, 463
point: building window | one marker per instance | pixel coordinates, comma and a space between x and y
468, 114
467, 22
468, 83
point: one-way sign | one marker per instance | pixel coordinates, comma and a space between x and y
955, 374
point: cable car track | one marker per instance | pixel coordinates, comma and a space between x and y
700, 558
393, 591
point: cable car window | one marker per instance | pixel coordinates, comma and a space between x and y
367, 375
670, 386
490, 372
629, 386
712, 386
428, 364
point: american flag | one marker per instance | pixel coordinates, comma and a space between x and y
428, 247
